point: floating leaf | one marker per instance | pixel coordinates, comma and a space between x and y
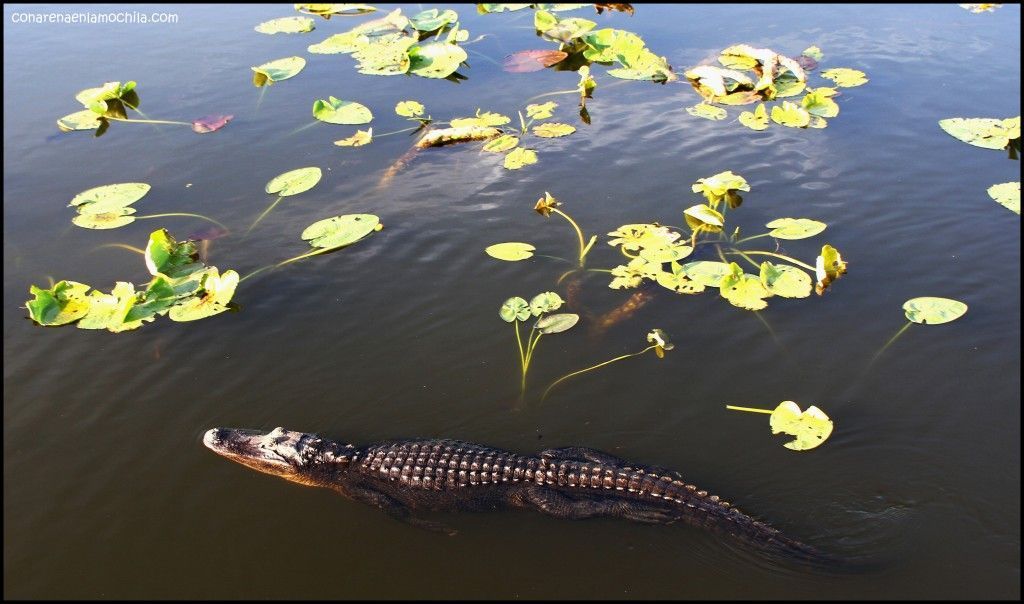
433, 19
1007, 194
545, 302
790, 114
109, 99
561, 30
483, 9
632, 274
715, 188
553, 130
541, 111
360, 138
844, 77
556, 323
704, 218
326, 10
711, 81
514, 309
337, 111
786, 281
346, 42
988, 133
80, 120
795, 228
679, 282
294, 182
743, 290
63, 303
638, 237
501, 144
511, 251
286, 25
829, 266
340, 231
814, 52
210, 123
165, 256
105, 220
389, 55
109, 198
526, 61
811, 427
437, 60
110, 311
708, 112
409, 109
706, 272
520, 157
758, 120
980, 8
486, 119
818, 102
216, 292
933, 311
276, 71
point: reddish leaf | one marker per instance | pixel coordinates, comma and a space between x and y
526, 61
210, 123
808, 63
609, 6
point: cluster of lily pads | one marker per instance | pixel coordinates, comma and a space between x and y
774, 76
991, 133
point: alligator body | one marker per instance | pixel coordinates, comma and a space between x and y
405, 477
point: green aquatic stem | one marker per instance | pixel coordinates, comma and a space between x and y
259, 99
125, 119
749, 409
591, 368
557, 92
781, 257
522, 123
124, 246
584, 247
767, 326
747, 258
265, 212
185, 214
288, 261
420, 127
890, 342
751, 238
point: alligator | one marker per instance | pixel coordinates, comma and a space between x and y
408, 476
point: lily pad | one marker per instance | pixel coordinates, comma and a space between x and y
514, 309
791, 114
553, 130
340, 231
109, 198
511, 251
520, 157
327, 10
545, 302
501, 144
80, 120
1007, 194
561, 30
276, 71
706, 111
988, 133
541, 111
526, 61
639, 237
786, 281
632, 274
294, 182
715, 188
933, 311
113, 219
556, 323
482, 120
679, 282
388, 55
811, 427
286, 25
410, 108
756, 120
818, 102
437, 60
704, 218
844, 77
706, 272
166, 256
109, 99
216, 292
63, 303
337, 111
795, 228
713, 82
813, 52
210, 123
433, 19
342, 43
360, 138
743, 290
110, 311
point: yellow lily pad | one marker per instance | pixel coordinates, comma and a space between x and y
811, 427
1007, 194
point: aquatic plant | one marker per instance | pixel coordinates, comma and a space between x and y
109, 207
326, 11
517, 309
182, 288
1007, 194
925, 311
290, 183
548, 205
980, 8
275, 71
656, 338
286, 25
811, 427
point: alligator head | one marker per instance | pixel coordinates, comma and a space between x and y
296, 456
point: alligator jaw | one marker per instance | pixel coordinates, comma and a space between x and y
279, 452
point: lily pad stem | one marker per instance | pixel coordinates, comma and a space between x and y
288, 261
591, 368
889, 343
398, 131
783, 257
125, 119
752, 237
124, 246
584, 247
265, 212
750, 409
207, 218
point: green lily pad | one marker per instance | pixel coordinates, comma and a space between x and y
541, 111
638, 237
795, 228
360, 138
988, 133
85, 119
715, 188
340, 231
844, 77
109, 197
327, 10
520, 157
294, 182
436, 60
501, 144
165, 256
561, 30
511, 251
113, 219
1007, 194
785, 88
216, 293
110, 311
388, 55
632, 274
64, 303
743, 290
706, 272
109, 99
276, 71
342, 43
156, 300
679, 282
556, 323
706, 111
514, 309
811, 427
286, 25
336, 111
605, 45
818, 102
791, 114
433, 19
553, 130
933, 311
704, 218
481, 120
786, 281
545, 302
410, 108
756, 120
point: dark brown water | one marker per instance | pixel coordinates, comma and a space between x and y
109, 493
